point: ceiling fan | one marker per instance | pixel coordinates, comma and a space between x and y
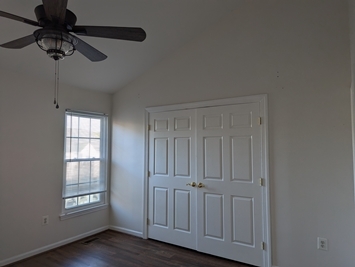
57, 23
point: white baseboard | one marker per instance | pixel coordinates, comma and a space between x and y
126, 231
51, 246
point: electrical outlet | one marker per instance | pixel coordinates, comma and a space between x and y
45, 220
322, 243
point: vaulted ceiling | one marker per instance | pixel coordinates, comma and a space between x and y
169, 24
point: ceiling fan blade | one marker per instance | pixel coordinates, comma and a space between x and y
20, 43
55, 10
121, 33
18, 18
88, 51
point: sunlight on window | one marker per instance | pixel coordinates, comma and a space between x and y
83, 200
85, 159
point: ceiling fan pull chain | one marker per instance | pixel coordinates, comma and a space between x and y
57, 106
56, 83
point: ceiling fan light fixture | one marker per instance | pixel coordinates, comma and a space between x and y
57, 44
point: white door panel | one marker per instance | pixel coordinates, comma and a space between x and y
161, 151
229, 208
182, 204
213, 218
182, 160
212, 157
243, 220
172, 204
160, 206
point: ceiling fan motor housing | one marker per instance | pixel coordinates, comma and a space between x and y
70, 18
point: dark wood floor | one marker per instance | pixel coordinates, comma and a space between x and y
111, 248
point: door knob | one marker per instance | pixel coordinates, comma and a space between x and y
199, 185
193, 184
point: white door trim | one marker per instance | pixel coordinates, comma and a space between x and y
209, 103
262, 100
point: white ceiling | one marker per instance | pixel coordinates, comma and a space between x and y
169, 24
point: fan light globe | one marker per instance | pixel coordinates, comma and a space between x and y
57, 44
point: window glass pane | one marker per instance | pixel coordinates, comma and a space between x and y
84, 172
84, 127
84, 148
95, 171
96, 186
71, 202
71, 149
84, 188
95, 148
72, 190
74, 126
72, 173
94, 198
83, 200
68, 125
67, 148
95, 128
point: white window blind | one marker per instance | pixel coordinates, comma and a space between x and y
85, 158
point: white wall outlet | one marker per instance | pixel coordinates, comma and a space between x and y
45, 220
322, 243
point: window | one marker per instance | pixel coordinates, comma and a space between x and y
85, 161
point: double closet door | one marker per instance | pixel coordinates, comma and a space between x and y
203, 189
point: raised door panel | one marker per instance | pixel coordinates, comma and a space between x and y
213, 216
213, 121
161, 125
241, 120
160, 208
182, 157
212, 155
182, 124
242, 158
182, 210
161, 152
243, 221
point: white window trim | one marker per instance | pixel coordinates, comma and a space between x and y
77, 213
86, 209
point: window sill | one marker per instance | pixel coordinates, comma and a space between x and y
77, 213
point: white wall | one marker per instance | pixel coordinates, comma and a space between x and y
31, 163
352, 51
298, 53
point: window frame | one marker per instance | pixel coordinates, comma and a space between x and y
104, 141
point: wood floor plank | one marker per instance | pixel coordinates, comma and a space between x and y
113, 249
